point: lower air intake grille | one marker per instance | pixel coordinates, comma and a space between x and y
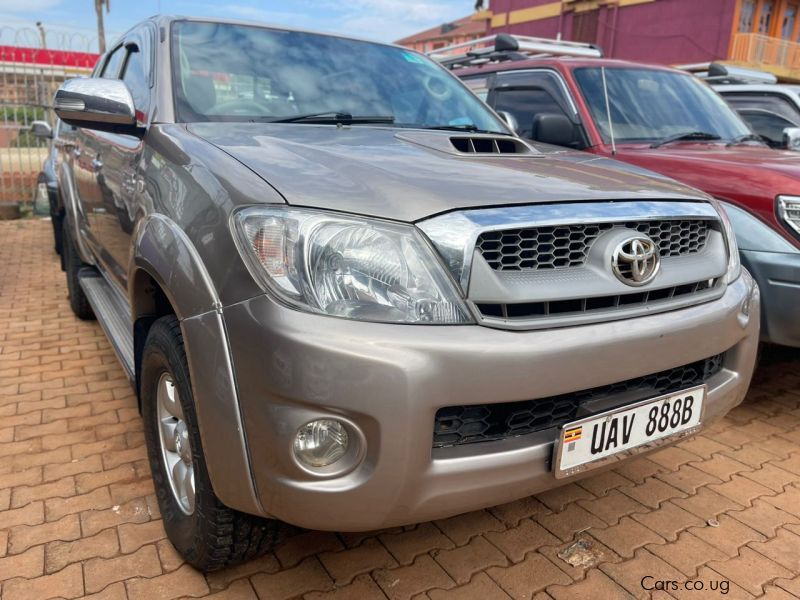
456, 425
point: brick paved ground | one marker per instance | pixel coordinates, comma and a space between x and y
78, 517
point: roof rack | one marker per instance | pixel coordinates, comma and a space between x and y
504, 46
718, 73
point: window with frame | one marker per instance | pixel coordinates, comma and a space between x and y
526, 95
135, 77
111, 68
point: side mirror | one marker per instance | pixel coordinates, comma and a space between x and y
509, 119
41, 129
791, 138
97, 103
553, 128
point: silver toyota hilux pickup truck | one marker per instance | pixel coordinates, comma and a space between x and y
348, 297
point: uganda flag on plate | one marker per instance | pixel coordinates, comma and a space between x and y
573, 434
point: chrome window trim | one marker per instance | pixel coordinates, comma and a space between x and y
455, 234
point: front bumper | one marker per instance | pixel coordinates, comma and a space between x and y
778, 276
390, 380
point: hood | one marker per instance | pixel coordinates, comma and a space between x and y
408, 175
747, 174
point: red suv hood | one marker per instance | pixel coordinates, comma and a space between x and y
749, 175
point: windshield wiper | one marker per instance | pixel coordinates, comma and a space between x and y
335, 117
687, 135
747, 137
469, 127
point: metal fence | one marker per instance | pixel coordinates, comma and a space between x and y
29, 76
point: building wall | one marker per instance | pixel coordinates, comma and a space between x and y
658, 31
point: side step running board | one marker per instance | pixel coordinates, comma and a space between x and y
112, 313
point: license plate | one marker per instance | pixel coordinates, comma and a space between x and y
614, 435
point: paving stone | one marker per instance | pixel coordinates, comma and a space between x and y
480, 588
764, 517
687, 554
344, 565
627, 536
461, 528
750, 570
518, 541
528, 577
639, 575
406, 546
668, 520
727, 535
306, 577
404, 582
596, 585
613, 506
464, 562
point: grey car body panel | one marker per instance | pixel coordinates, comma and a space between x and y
778, 276
259, 369
221, 430
390, 380
365, 170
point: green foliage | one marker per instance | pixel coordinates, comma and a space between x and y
21, 114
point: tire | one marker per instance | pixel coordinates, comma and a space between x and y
208, 534
58, 233
72, 265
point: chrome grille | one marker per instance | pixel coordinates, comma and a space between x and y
556, 247
457, 425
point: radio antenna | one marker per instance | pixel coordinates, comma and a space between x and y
608, 113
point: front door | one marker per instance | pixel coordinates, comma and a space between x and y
116, 167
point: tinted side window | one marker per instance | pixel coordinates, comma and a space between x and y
111, 70
771, 102
135, 76
526, 95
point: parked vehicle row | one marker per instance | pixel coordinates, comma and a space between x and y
663, 120
349, 296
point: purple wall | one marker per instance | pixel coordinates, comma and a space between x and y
664, 31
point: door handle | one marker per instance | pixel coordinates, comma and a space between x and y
97, 164
76, 152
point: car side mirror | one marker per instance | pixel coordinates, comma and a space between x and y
41, 129
509, 119
97, 103
552, 128
791, 138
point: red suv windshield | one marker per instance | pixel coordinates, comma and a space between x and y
648, 105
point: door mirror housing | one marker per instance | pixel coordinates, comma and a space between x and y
42, 129
97, 103
553, 128
791, 138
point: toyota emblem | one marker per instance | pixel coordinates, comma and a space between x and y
636, 261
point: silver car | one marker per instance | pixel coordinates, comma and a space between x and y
348, 297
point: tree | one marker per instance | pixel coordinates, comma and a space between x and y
101, 30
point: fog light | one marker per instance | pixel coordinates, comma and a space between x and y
320, 443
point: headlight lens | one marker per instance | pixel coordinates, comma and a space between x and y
789, 211
344, 266
734, 263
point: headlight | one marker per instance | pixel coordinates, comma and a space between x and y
345, 266
734, 263
789, 211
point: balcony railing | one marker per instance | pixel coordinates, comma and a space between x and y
762, 51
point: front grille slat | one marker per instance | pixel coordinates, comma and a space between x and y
533, 310
564, 246
458, 425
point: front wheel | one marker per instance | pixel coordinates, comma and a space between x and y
208, 534
72, 262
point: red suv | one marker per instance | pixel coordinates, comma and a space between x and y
660, 119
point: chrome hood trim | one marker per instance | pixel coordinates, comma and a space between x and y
455, 234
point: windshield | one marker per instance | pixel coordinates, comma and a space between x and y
648, 105
225, 72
